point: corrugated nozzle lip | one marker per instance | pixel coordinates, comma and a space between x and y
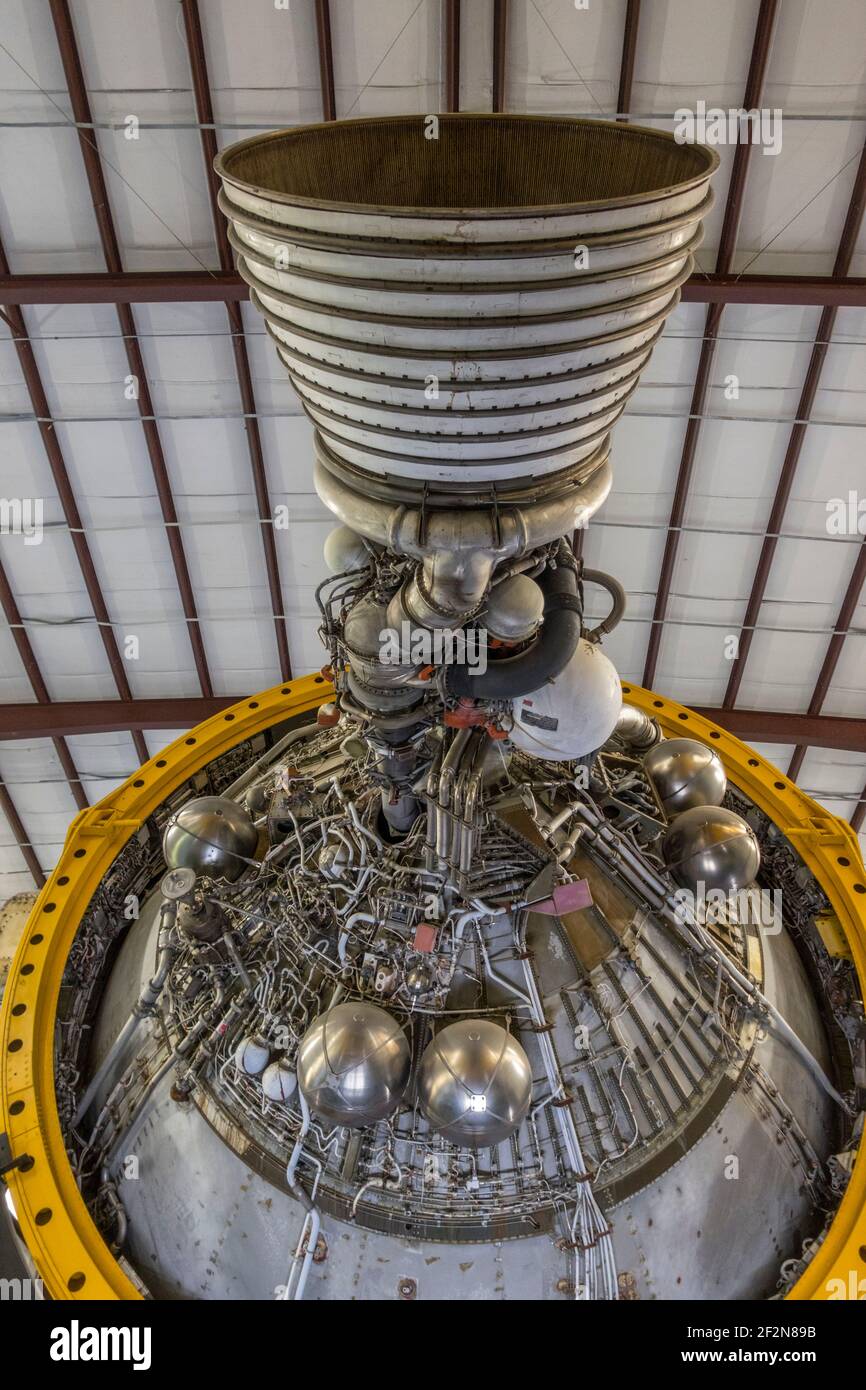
479, 165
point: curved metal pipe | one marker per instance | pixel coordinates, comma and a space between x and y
617, 593
637, 729
511, 531
450, 768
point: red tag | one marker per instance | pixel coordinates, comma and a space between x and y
567, 897
425, 936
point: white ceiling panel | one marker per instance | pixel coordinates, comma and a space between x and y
797, 199
391, 66
262, 71
562, 58
32, 773
688, 51
816, 66
845, 696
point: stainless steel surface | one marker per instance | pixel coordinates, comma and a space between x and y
396, 1195
712, 846
177, 884
345, 550
211, 835
636, 729
353, 1064
688, 1233
474, 1083
686, 774
514, 609
461, 546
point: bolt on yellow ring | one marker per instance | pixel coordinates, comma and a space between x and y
70, 1254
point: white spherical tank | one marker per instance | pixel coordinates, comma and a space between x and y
252, 1055
279, 1081
573, 714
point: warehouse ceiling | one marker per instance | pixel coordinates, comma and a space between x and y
182, 537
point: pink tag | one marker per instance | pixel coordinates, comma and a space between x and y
425, 936
567, 897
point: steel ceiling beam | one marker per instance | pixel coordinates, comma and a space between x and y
204, 112
19, 721
763, 726
25, 721
60, 474
629, 52
7, 806
452, 55
859, 813
724, 260
834, 651
224, 286
74, 74
844, 256
127, 287
325, 49
804, 290
500, 49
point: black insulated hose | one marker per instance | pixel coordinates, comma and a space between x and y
545, 659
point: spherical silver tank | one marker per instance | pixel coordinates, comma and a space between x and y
211, 835
515, 609
712, 846
353, 1064
686, 773
345, 550
474, 1083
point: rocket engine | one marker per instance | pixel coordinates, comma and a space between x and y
477, 959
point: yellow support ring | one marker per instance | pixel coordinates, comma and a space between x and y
829, 847
71, 1257
70, 1254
